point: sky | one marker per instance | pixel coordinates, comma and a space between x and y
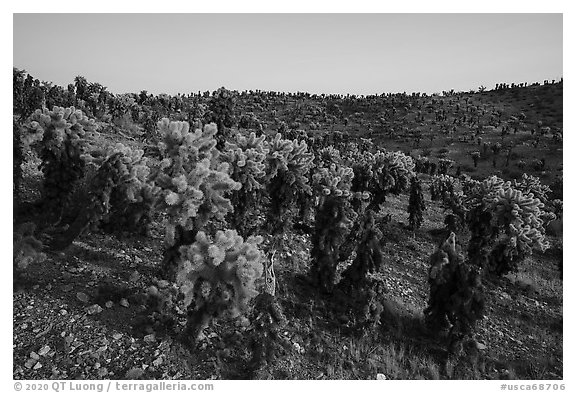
317, 53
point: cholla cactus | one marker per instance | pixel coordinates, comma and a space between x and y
383, 173
392, 174
218, 277
134, 195
442, 187
532, 184
63, 148
246, 156
221, 106
287, 171
524, 232
444, 165
328, 155
120, 179
416, 205
333, 221
475, 157
456, 293
193, 178
505, 224
422, 164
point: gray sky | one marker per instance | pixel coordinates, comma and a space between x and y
330, 53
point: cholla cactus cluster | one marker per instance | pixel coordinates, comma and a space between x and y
334, 219
218, 276
117, 171
246, 156
194, 180
61, 125
383, 173
333, 181
396, 168
134, 195
288, 169
289, 159
444, 165
506, 225
456, 293
442, 187
62, 151
519, 216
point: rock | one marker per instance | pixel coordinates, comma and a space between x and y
30, 362
150, 338
134, 373
94, 309
135, 276
37, 366
82, 297
109, 304
34, 355
158, 361
480, 346
124, 303
63, 312
44, 350
102, 372
380, 377
24, 326
243, 322
163, 284
117, 336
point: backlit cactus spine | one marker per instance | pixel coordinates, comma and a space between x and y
218, 277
